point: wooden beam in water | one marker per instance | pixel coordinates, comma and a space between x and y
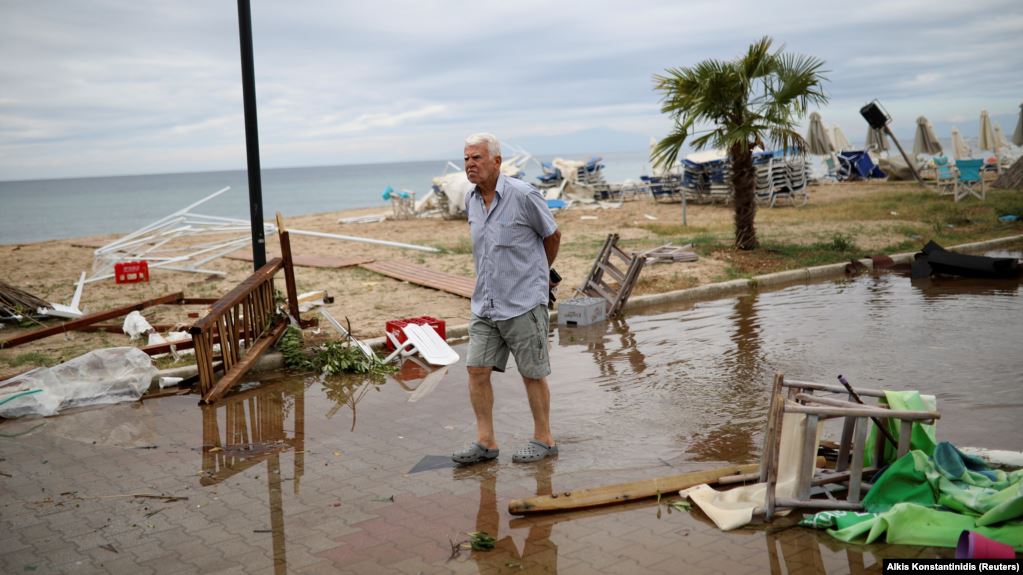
623, 492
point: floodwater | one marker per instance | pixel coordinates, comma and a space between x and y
297, 476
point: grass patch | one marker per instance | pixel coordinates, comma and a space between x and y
462, 247
672, 230
34, 358
168, 361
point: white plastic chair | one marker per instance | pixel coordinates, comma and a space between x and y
424, 340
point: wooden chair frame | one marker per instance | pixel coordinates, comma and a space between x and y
800, 397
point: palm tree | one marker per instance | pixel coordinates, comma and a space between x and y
756, 98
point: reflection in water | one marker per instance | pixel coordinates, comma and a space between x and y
538, 553
707, 369
799, 551
348, 390
942, 287
608, 359
418, 378
253, 424
732, 438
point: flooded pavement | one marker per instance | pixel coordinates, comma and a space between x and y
295, 476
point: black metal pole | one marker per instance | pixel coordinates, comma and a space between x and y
910, 163
251, 135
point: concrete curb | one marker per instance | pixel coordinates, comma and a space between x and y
274, 360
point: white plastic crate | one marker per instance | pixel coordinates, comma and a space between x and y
582, 311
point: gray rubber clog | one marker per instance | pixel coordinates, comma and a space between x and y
535, 450
475, 453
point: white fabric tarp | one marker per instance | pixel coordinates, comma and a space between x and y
456, 186
734, 508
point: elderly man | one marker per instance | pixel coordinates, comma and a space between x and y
514, 243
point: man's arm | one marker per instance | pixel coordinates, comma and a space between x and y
550, 246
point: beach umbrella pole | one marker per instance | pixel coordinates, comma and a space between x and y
911, 164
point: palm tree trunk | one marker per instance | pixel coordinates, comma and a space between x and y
743, 182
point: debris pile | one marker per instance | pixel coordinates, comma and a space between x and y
15, 302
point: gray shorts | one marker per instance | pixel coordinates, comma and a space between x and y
525, 336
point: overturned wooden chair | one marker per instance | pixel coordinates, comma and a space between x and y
819, 402
608, 280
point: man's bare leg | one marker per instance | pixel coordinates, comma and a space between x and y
539, 395
481, 395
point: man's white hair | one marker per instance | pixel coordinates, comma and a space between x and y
493, 144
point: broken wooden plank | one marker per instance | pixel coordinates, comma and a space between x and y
412, 273
622, 492
89, 320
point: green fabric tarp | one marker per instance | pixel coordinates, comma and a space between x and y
922, 436
930, 500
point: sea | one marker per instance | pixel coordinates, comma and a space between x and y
41, 210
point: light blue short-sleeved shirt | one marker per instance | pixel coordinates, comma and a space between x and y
512, 275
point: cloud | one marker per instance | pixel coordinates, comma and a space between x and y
370, 121
148, 85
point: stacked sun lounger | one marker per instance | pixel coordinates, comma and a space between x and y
666, 188
719, 173
588, 174
775, 178
778, 178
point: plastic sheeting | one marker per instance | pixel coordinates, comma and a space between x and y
102, 376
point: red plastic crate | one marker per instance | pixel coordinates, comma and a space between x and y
131, 272
394, 327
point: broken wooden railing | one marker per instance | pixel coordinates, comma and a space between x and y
245, 322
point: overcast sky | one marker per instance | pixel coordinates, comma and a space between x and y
138, 86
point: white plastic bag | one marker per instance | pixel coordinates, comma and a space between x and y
135, 325
99, 377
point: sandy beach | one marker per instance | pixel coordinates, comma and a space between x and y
50, 269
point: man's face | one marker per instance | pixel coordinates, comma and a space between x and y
479, 166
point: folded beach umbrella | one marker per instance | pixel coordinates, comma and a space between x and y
817, 140
1017, 136
926, 142
1000, 140
876, 140
838, 139
987, 133
959, 147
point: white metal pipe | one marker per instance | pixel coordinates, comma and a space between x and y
363, 240
159, 222
229, 248
135, 238
77, 298
193, 270
217, 218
